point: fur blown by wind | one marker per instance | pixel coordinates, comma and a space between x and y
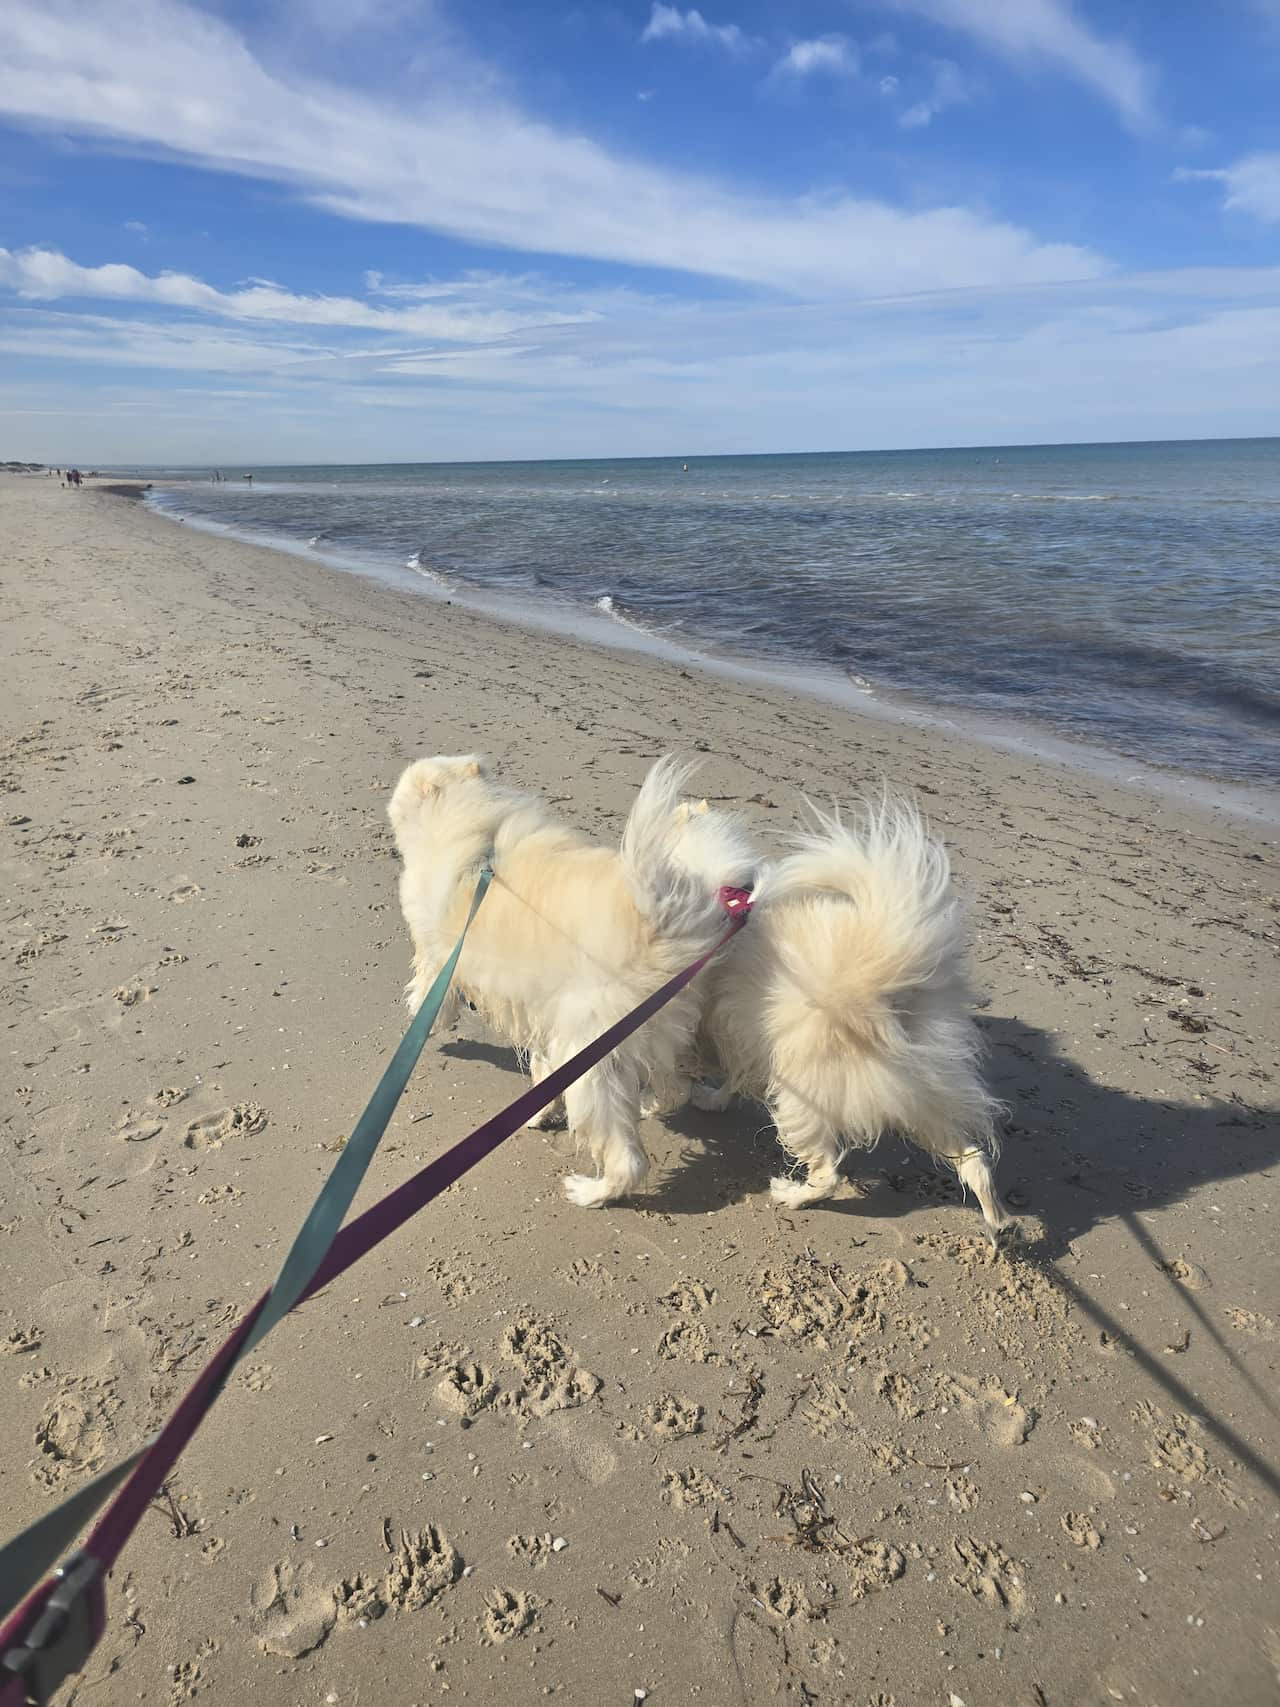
844, 1005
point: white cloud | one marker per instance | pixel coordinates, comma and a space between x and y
136, 226
835, 55
949, 88
1051, 32
669, 22
1252, 185
888, 85
181, 84
1180, 354
47, 276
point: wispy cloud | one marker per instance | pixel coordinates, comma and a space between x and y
45, 275
181, 84
949, 87
1052, 33
834, 56
1252, 185
1158, 355
667, 23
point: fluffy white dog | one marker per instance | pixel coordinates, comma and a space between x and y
843, 1005
569, 938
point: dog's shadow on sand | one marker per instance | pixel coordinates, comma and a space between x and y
1076, 1153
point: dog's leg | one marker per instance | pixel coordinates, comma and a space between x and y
424, 976
539, 1067
603, 1109
713, 1099
974, 1169
665, 1096
813, 1140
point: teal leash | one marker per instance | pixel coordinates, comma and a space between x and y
26, 1558
329, 1209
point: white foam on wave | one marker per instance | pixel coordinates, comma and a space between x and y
426, 571
607, 604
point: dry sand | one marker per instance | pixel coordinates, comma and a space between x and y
689, 1445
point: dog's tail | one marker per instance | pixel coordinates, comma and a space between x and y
881, 930
676, 898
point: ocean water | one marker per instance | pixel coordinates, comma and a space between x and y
1124, 595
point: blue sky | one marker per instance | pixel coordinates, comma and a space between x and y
344, 230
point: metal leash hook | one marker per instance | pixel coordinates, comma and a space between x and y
63, 1636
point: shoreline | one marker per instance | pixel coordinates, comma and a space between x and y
1049, 1471
1252, 802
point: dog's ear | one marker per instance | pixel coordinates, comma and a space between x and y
681, 813
473, 768
701, 808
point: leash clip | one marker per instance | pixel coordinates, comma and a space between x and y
736, 902
63, 1635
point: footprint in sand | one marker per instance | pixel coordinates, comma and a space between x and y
109, 930
688, 1340
985, 1570
466, 1389
137, 1128
70, 1437
686, 1489
998, 1414
671, 1418
1188, 1274
788, 1599
1080, 1528
291, 1618
689, 1296
1252, 1322
507, 1613
240, 1121
422, 1567
873, 1565
185, 891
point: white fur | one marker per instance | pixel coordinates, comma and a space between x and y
569, 938
843, 1005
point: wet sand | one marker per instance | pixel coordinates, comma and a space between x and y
690, 1445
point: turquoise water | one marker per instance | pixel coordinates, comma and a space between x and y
1127, 595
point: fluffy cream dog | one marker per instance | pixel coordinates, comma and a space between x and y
843, 1005
569, 938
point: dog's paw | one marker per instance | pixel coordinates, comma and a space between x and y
790, 1193
546, 1118
586, 1192
796, 1193
713, 1099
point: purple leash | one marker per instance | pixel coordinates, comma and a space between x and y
56, 1627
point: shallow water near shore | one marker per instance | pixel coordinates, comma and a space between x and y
1119, 595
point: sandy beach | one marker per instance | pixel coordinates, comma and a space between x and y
690, 1445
